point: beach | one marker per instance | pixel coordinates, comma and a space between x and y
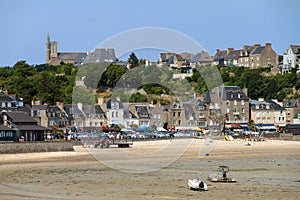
264, 170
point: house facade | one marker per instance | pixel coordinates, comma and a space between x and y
114, 111
234, 104
292, 107
291, 58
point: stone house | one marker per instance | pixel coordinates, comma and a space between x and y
176, 114
262, 114
234, 104
158, 115
263, 56
250, 57
95, 117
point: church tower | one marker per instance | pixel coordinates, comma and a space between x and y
51, 51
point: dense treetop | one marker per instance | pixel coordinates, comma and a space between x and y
51, 84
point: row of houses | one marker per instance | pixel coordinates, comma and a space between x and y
227, 106
250, 56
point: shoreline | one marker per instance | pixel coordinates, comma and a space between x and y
264, 170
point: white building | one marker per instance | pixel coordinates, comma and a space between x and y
291, 57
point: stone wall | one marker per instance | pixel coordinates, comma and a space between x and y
29, 147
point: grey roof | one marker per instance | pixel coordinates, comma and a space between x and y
108, 103
187, 56
275, 105
5, 98
291, 103
100, 56
171, 60
174, 105
201, 57
39, 107
127, 114
55, 109
220, 55
5, 128
32, 127
74, 107
142, 111
295, 49
261, 104
234, 55
20, 117
23, 108
15, 98
188, 109
165, 56
80, 59
70, 55
258, 50
92, 109
232, 92
208, 97
249, 50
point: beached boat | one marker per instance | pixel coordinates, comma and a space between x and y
222, 175
197, 184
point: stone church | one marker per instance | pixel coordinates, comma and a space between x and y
53, 57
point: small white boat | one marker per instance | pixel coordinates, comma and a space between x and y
197, 184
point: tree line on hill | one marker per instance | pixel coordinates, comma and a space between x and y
51, 84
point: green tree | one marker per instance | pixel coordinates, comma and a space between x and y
133, 60
137, 97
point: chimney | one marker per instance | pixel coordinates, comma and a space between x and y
217, 51
268, 45
256, 45
60, 105
245, 90
100, 101
246, 47
230, 50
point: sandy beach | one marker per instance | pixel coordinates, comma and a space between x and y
264, 170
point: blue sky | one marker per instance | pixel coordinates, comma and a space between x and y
79, 25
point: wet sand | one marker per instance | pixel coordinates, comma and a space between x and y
264, 170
